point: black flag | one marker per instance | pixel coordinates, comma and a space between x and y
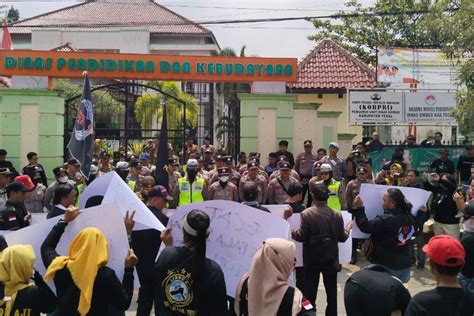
82, 137
161, 172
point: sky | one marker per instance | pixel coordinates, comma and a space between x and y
269, 39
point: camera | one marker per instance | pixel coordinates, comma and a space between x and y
356, 154
398, 175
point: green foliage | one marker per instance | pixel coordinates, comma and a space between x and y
135, 148
149, 106
102, 100
225, 126
13, 15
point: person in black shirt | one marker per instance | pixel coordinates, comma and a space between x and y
84, 284
374, 292
16, 272
466, 276
465, 165
283, 151
250, 194
4, 163
64, 197
14, 215
295, 195
187, 282
33, 161
443, 164
448, 298
265, 289
146, 244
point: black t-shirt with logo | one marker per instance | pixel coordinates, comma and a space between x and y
440, 166
183, 290
441, 301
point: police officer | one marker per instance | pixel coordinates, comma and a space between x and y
207, 146
224, 189
277, 192
191, 187
303, 165
104, 163
123, 169
234, 175
14, 215
61, 177
219, 163
34, 201
173, 177
252, 175
250, 194
293, 173
4, 180
134, 175
336, 199
82, 185
208, 161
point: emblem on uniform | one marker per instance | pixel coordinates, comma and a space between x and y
177, 286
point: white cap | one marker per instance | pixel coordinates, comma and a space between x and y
192, 163
325, 167
122, 165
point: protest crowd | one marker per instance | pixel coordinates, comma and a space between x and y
317, 184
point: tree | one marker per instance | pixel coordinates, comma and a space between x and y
149, 106
361, 35
13, 15
226, 127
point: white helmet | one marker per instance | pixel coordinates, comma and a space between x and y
192, 164
325, 167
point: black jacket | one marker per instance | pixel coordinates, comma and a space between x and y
55, 211
390, 241
44, 180
12, 216
146, 243
33, 300
181, 286
9, 165
108, 291
443, 206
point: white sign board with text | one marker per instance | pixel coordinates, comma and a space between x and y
237, 232
375, 107
429, 107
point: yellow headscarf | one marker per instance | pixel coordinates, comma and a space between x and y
87, 253
16, 270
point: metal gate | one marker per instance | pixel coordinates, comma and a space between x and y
116, 123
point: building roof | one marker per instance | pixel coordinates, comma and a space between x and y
65, 48
329, 66
113, 15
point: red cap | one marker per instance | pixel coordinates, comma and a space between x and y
26, 180
445, 250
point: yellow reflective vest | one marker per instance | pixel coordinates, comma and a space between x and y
333, 201
190, 193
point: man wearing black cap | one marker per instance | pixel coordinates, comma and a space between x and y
4, 163
104, 162
252, 175
465, 167
223, 189
134, 175
33, 162
443, 164
14, 215
146, 244
293, 173
208, 161
320, 231
283, 151
219, 163
234, 176
207, 146
303, 165
277, 191
61, 177
250, 193
73, 167
5, 175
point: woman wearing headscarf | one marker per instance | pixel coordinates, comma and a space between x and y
22, 296
188, 283
265, 289
84, 284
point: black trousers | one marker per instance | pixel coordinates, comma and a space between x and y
330, 285
146, 295
306, 192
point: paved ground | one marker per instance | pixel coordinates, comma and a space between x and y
420, 280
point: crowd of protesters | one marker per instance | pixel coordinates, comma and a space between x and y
183, 281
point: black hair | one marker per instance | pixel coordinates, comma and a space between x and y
320, 192
439, 133
448, 271
207, 138
416, 172
401, 203
361, 143
190, 137
272, 155
30, 155
3, 152
63, 190
449, 177
242, 153
295, 188
283, 143
321, 149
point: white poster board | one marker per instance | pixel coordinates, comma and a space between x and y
375, 107
345, 248
114, 189
104, 217
429, 107
237, 232
372, 197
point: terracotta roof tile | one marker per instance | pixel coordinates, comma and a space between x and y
112, 14
329, 66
